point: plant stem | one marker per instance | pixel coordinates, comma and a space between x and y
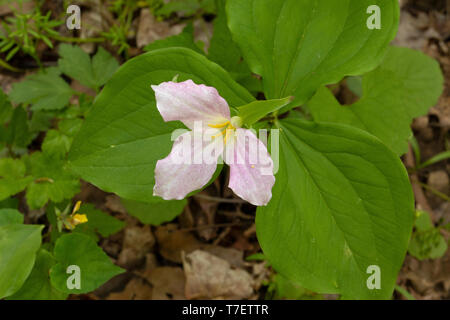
6, 65
77, 40
404, 292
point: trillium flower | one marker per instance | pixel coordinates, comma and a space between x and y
214, 136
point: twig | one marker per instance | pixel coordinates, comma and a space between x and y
250, 231
219, 225
237, 214
77, 40
217, 199
417, 188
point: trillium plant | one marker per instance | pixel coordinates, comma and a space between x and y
334, 204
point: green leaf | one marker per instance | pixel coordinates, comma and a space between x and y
299, 45
185, 39
10, 216
18, 246
44, 91
341, 203
223, 50
255, 111
56, 144
38, 286
98, 222
155, 213
285, 289
5, 108
427, 241
18, 131
104, 65
124, 135
95, 266
10, 203
77, 64
12, 177
404, 86
51, 181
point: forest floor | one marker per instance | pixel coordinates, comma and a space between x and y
220, 228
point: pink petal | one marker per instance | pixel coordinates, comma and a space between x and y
189, 102
251, 168
187, 168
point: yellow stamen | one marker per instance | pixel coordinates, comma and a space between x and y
219, 134
218, 126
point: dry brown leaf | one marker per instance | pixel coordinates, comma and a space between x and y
137, 242
136, 289
168, 283
171, 242
210, 277
150, 29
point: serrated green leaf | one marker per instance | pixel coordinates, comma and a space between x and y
77, 64
155, 213
342, 202
18, 246
124, 134
6, 108
98, 222
299, 45
255, 111
44, 91
426, 241
51, 181
38, 286
56, 144
18, 131
95, 266
12, 177
404, 86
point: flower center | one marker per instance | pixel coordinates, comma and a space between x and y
226, 128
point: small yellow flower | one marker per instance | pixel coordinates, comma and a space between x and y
75, 218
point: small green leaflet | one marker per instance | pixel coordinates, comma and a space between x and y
255, 111
5, 108
403, 87
78, 65
17, 133
426, 242
342, 202
81, 250
299, 45
12, 177
44, 91
51, 180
